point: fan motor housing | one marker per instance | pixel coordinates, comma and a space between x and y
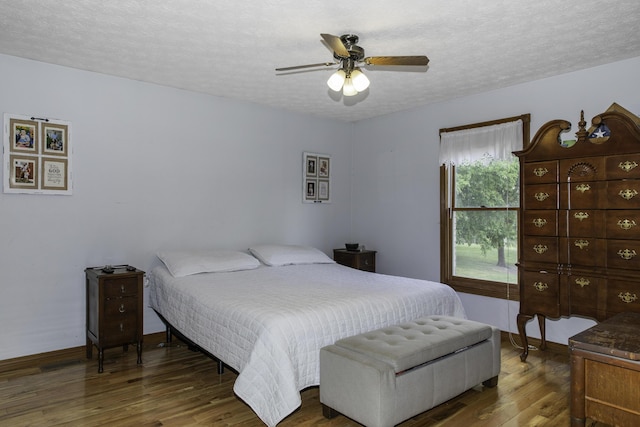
356, 53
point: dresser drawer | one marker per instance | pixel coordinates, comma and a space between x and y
540, 249
623, 254
626, 166
622, 296
120, 286
583, 293
623, 224
362, 260
540, 196
623, 194
582, 169
541, 172
585, 251
585, 222
123, 329
120, 306
541, 222
539, 293
583, 195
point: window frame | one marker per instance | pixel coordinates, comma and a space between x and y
501, 290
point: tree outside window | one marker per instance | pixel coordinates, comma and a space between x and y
480, 206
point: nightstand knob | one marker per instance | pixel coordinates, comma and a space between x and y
121, 309
122, 289
121, 327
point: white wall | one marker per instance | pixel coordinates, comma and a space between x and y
395, 181
156, 167
153, 167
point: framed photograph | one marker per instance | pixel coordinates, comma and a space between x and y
55, 139
323, 167
23, 172
37, 155
316, 178
323, 190
23, 136
54, 173
310, 186
312, 166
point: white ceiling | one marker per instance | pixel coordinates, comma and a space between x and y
230, 48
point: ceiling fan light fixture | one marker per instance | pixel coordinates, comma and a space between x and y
337, 80
348, 89
359, 80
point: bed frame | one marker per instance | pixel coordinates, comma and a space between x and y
171, 331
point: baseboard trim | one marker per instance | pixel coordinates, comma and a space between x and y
66, 354
551, 346
152, 340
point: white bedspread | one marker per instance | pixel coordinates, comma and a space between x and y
270, 323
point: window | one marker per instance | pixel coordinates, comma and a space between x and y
480, 205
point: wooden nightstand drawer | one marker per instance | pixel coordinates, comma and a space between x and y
120, 287
362, 260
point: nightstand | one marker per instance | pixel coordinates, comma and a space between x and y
362, 260
114, 310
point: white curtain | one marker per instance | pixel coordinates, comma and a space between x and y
488, 142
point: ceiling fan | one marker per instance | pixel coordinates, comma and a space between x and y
349, 78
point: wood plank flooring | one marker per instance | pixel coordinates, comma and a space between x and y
178, 387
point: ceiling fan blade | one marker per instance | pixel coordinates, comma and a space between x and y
298, 67
336, 44
397, 60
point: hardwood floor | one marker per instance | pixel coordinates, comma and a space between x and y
178, 387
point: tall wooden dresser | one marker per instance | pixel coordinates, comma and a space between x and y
579, 251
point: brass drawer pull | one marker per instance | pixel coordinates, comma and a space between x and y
628, 193
121, 327
627, 297
627, 253
539, 222
627, 166
583, 187
626, 224
582, 282
540, 286
121, 308
540, 249
541, 197
539, 172
580, 216
581, 243
122, 289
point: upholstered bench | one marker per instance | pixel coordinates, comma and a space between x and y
383, 377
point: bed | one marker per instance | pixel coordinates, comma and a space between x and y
269, 320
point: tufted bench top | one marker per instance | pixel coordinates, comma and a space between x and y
410, 344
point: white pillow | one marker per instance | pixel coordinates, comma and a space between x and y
184, 263
278, 255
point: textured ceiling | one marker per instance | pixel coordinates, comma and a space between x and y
231, 48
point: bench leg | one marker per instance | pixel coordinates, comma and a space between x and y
328, 412
491, 382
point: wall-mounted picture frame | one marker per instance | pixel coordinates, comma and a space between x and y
324, 164
316, 178
23, 136
54, 137
311, 162
323, 190
23, 172
54, 173
37, 155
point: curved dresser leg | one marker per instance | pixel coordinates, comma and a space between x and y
522, 321
543, 332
